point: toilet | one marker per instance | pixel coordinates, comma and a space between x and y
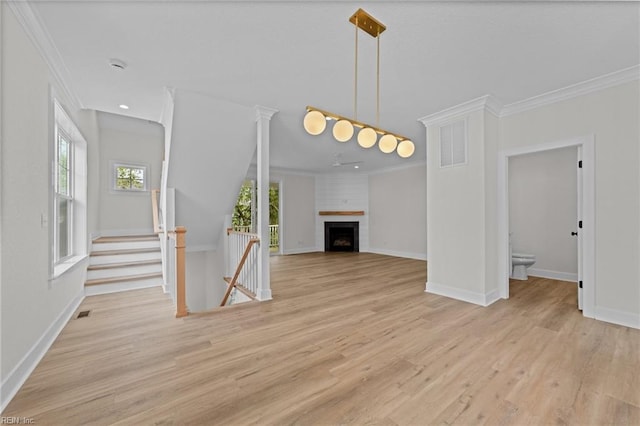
519, 264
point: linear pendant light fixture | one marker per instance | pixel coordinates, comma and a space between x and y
315, 121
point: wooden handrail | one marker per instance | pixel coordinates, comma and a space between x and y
234, 280
181, 300
154, 208
252, 235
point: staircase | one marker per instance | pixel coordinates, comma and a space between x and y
123, 263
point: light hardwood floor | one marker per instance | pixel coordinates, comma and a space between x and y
348, 339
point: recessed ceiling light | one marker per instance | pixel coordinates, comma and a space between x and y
123, 106
356, 167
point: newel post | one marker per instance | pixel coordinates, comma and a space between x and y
181, 300
263, 118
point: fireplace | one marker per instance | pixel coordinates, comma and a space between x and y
341, 236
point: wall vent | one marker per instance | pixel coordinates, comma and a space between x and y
453, 144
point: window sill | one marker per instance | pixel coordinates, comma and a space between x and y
64, 267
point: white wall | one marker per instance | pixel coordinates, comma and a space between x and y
204, 276
461, 214
128, 140
34, 308
299, 213
397, 212
611, 115
543, 210
87, 122
344, 191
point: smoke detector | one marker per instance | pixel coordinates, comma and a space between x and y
117, 64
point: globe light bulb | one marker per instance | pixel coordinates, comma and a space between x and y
387, 144
343, 130
314, 123
367, 137
406, 148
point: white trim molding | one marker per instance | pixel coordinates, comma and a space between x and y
482, 299
614, 316
585, 87
553, 275
588, 214
263, 112
486, 102
301, 251
493, 105
16, 378
390, 169
37, 32
397, 253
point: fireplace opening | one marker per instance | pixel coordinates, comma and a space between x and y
341, 236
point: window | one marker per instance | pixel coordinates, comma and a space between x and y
63, 196
129, 177
68, 230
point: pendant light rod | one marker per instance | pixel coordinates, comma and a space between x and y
355, 90
378, 83
356, 123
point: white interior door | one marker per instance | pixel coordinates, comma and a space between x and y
579, 227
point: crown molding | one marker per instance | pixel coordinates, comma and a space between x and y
36, 31
263, 112
391, 169
494, 106
585, 87
486, 102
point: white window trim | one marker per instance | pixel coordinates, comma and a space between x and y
113, 177
60, 121
57, 196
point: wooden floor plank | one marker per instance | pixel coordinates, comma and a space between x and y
347, 339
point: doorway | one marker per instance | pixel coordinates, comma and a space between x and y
586, 218
244, 218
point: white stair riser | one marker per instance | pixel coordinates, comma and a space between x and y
120, 258
93, 274
122, 286
125, 245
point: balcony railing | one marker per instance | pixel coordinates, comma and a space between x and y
274, 234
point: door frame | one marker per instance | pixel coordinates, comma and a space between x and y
587, 240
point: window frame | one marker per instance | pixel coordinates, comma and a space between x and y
58, 196
62, 126
126, 164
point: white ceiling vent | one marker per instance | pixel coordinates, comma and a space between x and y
453, 144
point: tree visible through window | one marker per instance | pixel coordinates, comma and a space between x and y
130, 178
63, 197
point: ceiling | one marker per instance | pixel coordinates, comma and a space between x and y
287, 55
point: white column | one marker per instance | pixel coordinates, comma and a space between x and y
263, 118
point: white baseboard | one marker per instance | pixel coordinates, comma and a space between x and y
628, 319
553, 275
463, 295
491, 297
16, 378
396, 253
301, 250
